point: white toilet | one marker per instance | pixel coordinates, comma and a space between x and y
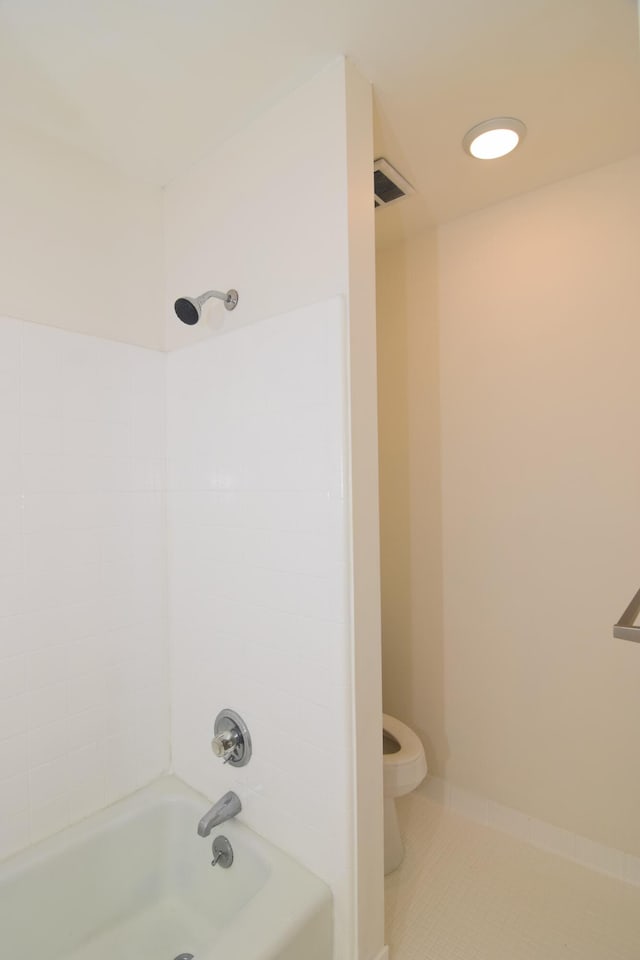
404, 767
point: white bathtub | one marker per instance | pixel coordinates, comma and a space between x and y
135, 882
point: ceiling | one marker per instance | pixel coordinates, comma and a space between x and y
151, 85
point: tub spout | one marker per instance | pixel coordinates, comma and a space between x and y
227, 807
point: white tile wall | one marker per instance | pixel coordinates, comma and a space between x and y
83, 653
259, 576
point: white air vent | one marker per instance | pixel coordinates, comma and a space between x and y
388, 184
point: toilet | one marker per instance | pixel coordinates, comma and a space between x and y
404, 767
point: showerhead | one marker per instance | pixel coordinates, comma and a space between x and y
189, 309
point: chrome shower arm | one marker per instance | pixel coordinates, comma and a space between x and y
218, 294
230, 298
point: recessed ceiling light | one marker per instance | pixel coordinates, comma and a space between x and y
494, 138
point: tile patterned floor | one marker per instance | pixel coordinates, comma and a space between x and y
467, 892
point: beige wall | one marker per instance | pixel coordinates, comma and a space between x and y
410, 516
539, 323
80, 244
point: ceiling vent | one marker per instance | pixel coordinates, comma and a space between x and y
388, 184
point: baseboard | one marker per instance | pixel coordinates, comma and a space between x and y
596, 856
383, 955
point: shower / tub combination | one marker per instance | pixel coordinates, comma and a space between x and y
136, 882
159, 875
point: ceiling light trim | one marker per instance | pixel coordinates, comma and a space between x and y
511, 124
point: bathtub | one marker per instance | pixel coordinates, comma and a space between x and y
135, 882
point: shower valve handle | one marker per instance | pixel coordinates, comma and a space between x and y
232, 740
225, 743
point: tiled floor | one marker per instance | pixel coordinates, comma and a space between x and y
467, 892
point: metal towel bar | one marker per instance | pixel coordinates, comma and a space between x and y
624, 629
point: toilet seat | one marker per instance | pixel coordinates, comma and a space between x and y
404, 769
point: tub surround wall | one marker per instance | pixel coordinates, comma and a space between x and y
83, 702
259, 563
83, 693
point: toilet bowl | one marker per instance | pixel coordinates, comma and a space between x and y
404, 767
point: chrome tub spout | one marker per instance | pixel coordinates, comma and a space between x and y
227, 807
